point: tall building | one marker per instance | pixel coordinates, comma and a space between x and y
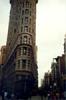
20, 69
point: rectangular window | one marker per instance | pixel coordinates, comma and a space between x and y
28, 63
30, 30
30, 13
21, 29
30, 21
27, 4
22, 20
25, 39
24, 50
26, 11
24, 63
26, 28
22, 12
30, 5
29, 41
26, 19
18, 63
20, 40
22, 4
29, 51
14, 30
19, 51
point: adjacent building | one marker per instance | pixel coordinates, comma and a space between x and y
0, 73
20, 68
2, 61
3, 54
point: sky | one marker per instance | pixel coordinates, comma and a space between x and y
50, 30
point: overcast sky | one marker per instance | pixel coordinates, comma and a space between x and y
50, 30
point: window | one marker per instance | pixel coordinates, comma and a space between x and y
22, 4
24, 50
30, 21
24, 63
22, 12
20, 40
25, 39
26, 11
26, 28
30, 30
21, 29
22, 20
28, 63
33, 30
19, 51
29, 41
26, 19
14, 30
30, 5
29, 51
18, 63
30, 13
27, 4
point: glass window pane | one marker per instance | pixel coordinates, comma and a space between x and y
26, 19
25, 39
26, 11
24, 63
18, 63
26, 28
24, 50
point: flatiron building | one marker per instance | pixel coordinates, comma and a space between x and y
20, 68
